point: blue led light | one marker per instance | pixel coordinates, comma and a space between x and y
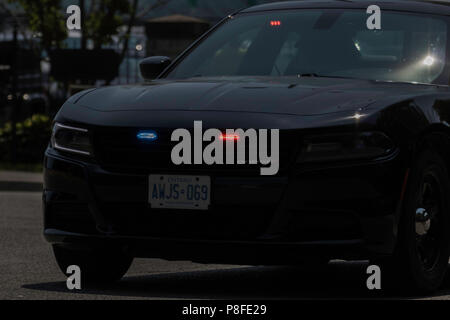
147, 135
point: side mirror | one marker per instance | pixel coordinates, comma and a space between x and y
152, 67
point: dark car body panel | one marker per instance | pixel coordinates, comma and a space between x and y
286, 96
345, 205
425, 7
345, 209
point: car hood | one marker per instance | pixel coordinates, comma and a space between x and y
296, 96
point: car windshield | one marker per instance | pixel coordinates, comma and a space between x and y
326, 42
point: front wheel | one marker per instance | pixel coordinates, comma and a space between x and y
97, 266
422, 253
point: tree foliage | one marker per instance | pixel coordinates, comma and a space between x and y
104, 18
46, 19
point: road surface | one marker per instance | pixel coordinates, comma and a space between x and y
28, 271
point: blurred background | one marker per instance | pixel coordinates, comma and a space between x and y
42, 63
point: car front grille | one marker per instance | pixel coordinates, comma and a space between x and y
219, 223
118, 150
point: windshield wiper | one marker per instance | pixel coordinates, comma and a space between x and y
315, 75
308, 75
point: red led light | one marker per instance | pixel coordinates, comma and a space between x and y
229, 137
275, 23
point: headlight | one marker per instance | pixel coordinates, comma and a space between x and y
71, 139
345, 146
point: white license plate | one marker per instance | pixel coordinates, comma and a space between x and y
179, 192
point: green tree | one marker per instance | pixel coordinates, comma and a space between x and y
104, 17
101, 20
46, 19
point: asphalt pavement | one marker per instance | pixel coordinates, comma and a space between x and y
28, 270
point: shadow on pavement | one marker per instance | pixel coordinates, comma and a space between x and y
338, 280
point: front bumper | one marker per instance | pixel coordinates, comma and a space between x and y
330, 212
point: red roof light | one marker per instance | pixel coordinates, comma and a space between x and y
275, 23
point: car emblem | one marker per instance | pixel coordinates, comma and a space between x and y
147, 135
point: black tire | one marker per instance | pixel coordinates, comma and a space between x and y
422, 253
97, 266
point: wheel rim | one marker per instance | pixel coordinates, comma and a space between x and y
427, 222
